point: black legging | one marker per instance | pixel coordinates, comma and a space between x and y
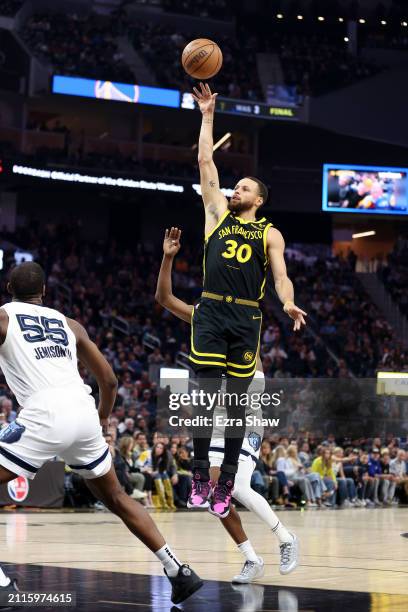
210, 382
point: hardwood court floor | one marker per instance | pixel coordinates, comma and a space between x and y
358, 551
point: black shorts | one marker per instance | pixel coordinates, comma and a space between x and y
225, 335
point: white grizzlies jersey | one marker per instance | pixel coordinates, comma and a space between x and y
253, 433
39, 351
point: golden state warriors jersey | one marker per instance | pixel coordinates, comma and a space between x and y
235, 257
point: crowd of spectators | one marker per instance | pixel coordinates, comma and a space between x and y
161, 47
78, 45
316, 65
303, 470
112, 294
345, 317
394, 274
8, 8
217, 9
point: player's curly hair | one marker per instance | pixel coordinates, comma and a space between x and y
27, 280
262, 188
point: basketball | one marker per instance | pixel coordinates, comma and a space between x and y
202, 58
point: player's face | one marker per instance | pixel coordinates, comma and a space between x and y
245, 196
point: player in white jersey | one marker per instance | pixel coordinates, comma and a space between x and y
39, 348
289, 547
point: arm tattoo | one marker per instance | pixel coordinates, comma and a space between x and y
212, 184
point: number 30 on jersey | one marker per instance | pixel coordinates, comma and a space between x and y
242, 253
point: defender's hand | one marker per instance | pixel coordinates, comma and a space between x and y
204, 98
296, 314
171, 242
104, 424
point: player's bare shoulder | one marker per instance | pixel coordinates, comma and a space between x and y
77, 329
274, 239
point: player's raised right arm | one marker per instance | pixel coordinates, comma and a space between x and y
215, 202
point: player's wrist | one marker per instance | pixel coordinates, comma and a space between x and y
288, 304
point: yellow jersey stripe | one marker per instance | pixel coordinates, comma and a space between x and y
224, 216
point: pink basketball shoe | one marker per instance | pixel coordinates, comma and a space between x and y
200, 492
221, 499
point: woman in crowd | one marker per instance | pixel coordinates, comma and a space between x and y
184, 473
293, 471
263, 479
317, 486
164, 475
323, 465
346, 494
137, 479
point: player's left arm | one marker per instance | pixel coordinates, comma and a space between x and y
3, 325
164, 291
283, 285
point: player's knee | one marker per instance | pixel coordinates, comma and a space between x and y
115, 498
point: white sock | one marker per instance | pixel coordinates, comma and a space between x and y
248, 551
282, 533
168, 560
4, 580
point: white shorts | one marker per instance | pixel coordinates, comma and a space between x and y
55, 422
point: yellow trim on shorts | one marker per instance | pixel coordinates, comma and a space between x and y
193, 350
246, 375
241, 367
224, 216
216, 363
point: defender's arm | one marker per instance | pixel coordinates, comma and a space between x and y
164, 291
283, 284
91, 357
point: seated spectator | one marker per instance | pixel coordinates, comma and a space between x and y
184, 475
398, 467
137, 479
264, 480
6, 407
164, 475
323, 465
316, 482
388, 483
375, 472
368, 482
346, 493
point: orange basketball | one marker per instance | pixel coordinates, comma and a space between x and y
202, 58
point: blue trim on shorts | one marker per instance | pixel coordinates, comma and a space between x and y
218, 449
92, 465
18, 461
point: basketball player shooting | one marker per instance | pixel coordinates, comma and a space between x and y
253, 567
38, 356
226, 323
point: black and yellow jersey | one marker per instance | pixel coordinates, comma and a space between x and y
235, 257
